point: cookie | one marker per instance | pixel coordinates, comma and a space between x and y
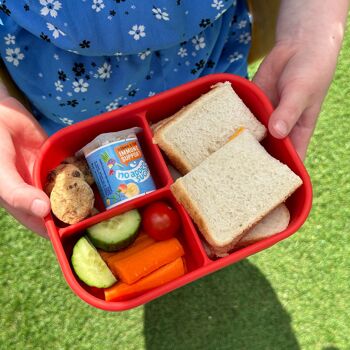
83, 166
71, 200
61, 173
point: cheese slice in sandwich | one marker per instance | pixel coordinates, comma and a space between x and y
202, 127
233, 189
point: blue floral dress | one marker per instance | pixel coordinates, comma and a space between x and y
74, 59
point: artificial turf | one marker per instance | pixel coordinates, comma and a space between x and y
295, 295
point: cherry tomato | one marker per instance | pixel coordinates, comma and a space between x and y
160, 221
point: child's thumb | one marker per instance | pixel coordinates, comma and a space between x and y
17, 194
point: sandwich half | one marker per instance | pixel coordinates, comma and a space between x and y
274, 222
202, 127
233, 189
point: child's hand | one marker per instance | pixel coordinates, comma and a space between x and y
296, 78
299, 69
20, 140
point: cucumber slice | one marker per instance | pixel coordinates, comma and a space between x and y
117, 232
89, 266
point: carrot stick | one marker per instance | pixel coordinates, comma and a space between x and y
140, 245
105, 255
130, 269
142, 241
165, 274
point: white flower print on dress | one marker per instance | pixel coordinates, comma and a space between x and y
242, 24
14, 56
50, 7
55, 31
66, 121
137, 31
217, 4
98, 5
10, 39
235, 57
56, 57
113, 105
104, 72
59, 86
182, 52
198, 42
151, 93
80, 85
159, 14
144, 54
245, 38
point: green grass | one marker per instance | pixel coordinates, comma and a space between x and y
295, 295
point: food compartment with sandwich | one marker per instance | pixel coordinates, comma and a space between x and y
223, 189
239, 185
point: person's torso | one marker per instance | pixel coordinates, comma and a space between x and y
76, 59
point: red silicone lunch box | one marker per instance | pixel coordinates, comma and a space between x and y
141, 114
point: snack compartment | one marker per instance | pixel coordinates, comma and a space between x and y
68, 141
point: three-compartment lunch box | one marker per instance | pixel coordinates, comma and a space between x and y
141, 114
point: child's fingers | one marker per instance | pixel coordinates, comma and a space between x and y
270, 70
266, 81
300, 138
303, 130
18, 195
293, 102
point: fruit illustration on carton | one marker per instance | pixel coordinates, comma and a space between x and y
110, 162
129, 190
122, 188
132, 190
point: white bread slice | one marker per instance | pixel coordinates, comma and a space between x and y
156, 126
204, 126
233, 189
274, 222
